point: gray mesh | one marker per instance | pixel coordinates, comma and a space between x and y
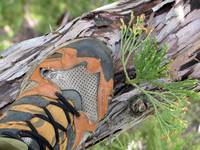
27, 140
79, 79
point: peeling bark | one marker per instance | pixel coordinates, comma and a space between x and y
175, 23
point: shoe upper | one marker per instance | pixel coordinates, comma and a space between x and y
63, 98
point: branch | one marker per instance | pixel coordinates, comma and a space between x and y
124, 112
171, 21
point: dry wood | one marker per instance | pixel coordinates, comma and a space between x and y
176, 23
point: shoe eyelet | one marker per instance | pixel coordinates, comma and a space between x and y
44, 71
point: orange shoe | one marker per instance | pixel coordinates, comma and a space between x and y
63, 98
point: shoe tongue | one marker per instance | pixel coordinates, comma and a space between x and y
73, 96
83, 82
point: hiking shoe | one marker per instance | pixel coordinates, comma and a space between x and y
62, 99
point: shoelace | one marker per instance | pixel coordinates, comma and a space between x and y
33, 134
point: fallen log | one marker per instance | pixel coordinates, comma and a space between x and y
176, 23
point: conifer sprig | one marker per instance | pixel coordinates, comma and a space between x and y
151, 65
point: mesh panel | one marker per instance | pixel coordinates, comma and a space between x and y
27, 140
81, 80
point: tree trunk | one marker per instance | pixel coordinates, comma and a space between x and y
176, 23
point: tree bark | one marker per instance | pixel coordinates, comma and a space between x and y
175, 23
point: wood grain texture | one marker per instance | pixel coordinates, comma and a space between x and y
176, 23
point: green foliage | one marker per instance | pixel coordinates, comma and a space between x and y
164, 130
147, 59
44, 14
151, 137
47, 12
118, 143
11, 17
145, 54
170, 100
154, 139
75, 9
11, 13
149, 67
